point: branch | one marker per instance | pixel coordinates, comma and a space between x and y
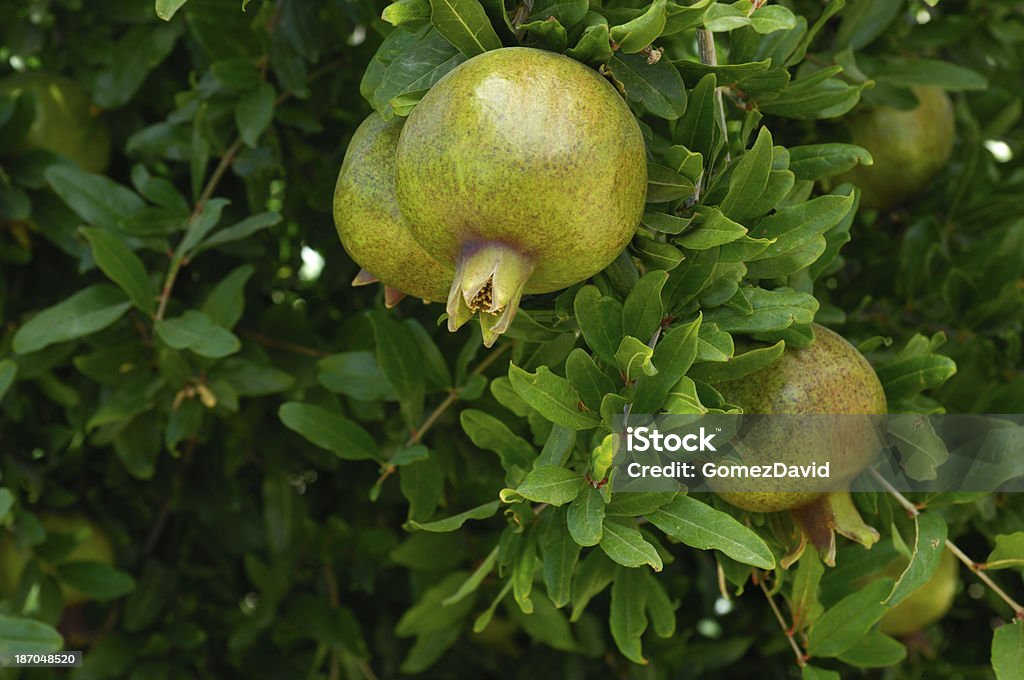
913, 511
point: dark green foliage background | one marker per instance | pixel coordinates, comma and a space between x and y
265, 468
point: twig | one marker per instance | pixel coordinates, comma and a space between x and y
287, 346
913, 511
801, 658
178, 259
417, 436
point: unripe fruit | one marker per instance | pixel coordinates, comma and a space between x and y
526, 169
926, 605
909, 148
64, 122
90, 545
370, 225
828, 377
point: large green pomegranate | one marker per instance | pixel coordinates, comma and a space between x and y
909, 148
64, 122
926, 605
829, 377
527, 170
371, 226
88, 544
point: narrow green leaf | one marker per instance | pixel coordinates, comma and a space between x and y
194, 331
84, 313
328, 430
559, 553
657, 88
699, 525
845, 624
553, 485
640, 32
165, 9
643, 310
875, 650
99, 201
1009, 550
586, 517
27, 636
627, 618
1007, 651
254, 112
123, 267
8, 372
625, 545
96, 580
465, 25
552, 396
750, 178
455, 522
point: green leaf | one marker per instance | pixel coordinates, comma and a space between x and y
471, 584
254, 112
26, 636
931, 72
586, 517
240, 231
749, 179
929, 545
875, 650
8, 372
713, 229
123, 267
818, 161
455, 522
99, 201
96, 580
739, 366
587, 379
517, 455
699, 525
627, 618
194, 331
698, 129
656, 88
812, 673
552, 396
637, 34
634, 359
1009, 550
328, 430
465, 25
845, 624
643, 311
430, 614
399, 359
356, 375
600, 320
165, 9
553, 485
422, 484
804, 600
922, 451
84, 313
772, 311
721, 18
771, 18
409, 13
594, 46
673, 356
559, 553
226, 302
664, 185
595, 574
1007, 651
625, 545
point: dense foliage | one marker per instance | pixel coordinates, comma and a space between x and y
297, 482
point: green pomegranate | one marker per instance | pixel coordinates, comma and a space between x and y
928, 604
828, 377
909, 148
371, 226
527, 170
89, 542
64, 122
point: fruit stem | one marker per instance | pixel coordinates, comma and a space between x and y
913, 511
489, 279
